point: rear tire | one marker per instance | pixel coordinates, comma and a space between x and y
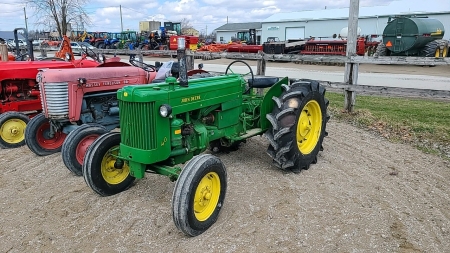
381, 50
98, 166
199, 194
432, 49
298, 121
76, 144
12, 129
37, 138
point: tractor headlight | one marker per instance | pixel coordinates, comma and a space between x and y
165, 110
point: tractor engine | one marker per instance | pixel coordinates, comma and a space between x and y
19, 90
101, 108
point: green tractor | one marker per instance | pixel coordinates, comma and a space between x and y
167, 124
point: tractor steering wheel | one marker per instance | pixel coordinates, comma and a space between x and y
89, 52
143, 65
247, 87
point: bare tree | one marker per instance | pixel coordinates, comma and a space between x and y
60, 13
185, 25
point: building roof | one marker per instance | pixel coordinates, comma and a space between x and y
239, 26
401, 7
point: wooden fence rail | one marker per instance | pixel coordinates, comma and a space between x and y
397, 60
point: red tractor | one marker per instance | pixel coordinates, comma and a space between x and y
81, 102
19, 93
80, 105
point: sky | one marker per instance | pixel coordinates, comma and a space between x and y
203, 15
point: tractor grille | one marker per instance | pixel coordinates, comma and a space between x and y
138, 124
57, 98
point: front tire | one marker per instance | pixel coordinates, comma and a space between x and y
12, 129
298, 121
98, 166
199, 194
76, 144
37, 136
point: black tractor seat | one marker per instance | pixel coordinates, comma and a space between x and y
262, 81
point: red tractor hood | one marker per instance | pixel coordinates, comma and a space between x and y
28, 69
134, 75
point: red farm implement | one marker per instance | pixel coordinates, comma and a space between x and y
338, 47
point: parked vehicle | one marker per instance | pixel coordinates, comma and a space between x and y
168, 124
12, 43
420, 36
77, 47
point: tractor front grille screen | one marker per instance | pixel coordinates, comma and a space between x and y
57, 98
138, 124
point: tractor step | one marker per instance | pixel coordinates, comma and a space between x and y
251, 133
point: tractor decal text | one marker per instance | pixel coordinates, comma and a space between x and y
106, 83
190, 99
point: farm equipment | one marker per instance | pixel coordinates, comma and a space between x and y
413, 36
97, 39
128, 40
79, 105
20, 98
167, 124
273, 45
339, 47
155, 40
112, 41
74, 97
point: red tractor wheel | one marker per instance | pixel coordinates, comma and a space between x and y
38, 139
76, 144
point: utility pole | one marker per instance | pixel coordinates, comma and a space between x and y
206, 30
121, 23
351, 69
26, 23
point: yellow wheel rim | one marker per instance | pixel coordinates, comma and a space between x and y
309, 126
444, 52
110, 174
13, 131
207, 196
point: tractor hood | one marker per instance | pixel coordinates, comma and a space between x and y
28, 69
91, 76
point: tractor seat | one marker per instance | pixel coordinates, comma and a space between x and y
262, 81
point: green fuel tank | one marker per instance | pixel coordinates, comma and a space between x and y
407, 36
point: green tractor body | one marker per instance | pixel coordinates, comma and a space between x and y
208, 110
167, 124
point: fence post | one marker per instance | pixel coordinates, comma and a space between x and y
4, 52
351, 69
140, 56
261, 71
43, 51
189, 60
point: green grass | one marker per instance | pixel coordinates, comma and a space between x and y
423, 123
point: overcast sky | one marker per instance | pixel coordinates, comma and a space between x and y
204, 15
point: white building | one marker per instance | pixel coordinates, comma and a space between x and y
372, 20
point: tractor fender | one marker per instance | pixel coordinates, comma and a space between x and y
268, 103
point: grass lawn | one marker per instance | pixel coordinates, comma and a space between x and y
423, 123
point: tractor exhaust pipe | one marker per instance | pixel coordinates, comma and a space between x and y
181, 55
